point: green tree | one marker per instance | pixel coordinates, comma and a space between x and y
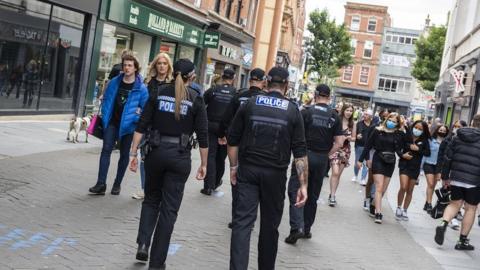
329, 49
429, 50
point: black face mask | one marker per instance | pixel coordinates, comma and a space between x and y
442, 135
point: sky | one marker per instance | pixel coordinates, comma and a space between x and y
409, 14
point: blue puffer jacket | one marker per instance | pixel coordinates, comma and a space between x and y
136, 99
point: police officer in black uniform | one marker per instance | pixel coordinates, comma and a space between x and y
217, 100
263, 135
323, 127
257, 83
172, 117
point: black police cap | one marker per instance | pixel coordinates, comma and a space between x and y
322, 90
228, 73
257, 74
185, 67
278, 75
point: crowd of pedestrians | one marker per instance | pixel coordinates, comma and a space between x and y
166, 115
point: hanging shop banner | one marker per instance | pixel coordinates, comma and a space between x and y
211, 40
141, 17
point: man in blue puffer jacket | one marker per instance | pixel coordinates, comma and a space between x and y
122, 106
461, 171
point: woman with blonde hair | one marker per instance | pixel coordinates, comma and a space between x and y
159, 73
386, 140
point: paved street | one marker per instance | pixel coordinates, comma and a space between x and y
48, 221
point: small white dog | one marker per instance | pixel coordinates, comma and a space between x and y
76, 125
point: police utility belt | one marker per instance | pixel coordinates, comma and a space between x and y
153, 139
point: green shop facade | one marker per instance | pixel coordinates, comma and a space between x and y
146, 28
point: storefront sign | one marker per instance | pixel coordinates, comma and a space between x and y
139, 16
458, 76
211, 40
229, 52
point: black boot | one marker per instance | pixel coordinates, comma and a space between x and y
294, 236
142, 252
116, 190
98, 189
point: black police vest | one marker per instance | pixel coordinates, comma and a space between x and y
222, 95
319, 127
268, 129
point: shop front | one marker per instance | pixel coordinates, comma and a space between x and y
43, 49
146, 31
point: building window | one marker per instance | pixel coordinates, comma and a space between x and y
355, 23
198, 3
228, 9
389, 38
368, 49
364, 74
217, 5
381, 84
394, 85
372, 24
347, 74
353, 44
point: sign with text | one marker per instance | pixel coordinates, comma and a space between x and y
211, 40
142, 17
458, 76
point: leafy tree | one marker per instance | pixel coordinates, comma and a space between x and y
329, 49
429, 50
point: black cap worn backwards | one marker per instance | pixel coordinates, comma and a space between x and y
322, 90
257, 74
228, 74
278, 75
185, 67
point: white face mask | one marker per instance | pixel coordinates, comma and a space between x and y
454, 131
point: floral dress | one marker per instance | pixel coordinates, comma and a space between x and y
342, 156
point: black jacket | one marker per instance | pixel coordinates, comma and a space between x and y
463, 157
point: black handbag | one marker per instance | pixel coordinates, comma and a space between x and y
387, 157
443, 199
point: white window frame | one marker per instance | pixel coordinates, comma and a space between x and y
405, 84
359, 22
353, 44
387, 37
369, 47
351, 74
360, 75
372, 19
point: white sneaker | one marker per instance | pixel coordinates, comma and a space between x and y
366, 204
454, 224
363, 182
138, 195
404, 215
354, 179
398, 213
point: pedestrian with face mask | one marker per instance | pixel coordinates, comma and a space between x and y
415, 148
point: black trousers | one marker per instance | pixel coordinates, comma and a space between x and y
317, 166
216, 162
166, 170
256, 184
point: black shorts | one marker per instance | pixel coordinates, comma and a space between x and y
380, 167
431, 169
469, 195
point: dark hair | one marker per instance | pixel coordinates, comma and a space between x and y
131, 57
342, 114
277, 85
476, 121
435, 132
426, 133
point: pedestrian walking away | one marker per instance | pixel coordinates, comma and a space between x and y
462, 173
386, 140
217, 100
362, 135
432, 165
339, 160
171, 117
262, 137
323, 133
123, 102
416, 146
257, 84
160, 72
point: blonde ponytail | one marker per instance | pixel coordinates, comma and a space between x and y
180, 94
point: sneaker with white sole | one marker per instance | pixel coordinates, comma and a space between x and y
454, 224
398, 213
363, 182
378, 218
331, 201
354, 179
138, 195
366, 204
404, 215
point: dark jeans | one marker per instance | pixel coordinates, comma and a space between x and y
28, 94
216, 162
317, 166
166, 172
257, 184
110, 136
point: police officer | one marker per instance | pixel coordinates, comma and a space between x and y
322, 128
217, 100
172, 116
257, 83
263, 134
